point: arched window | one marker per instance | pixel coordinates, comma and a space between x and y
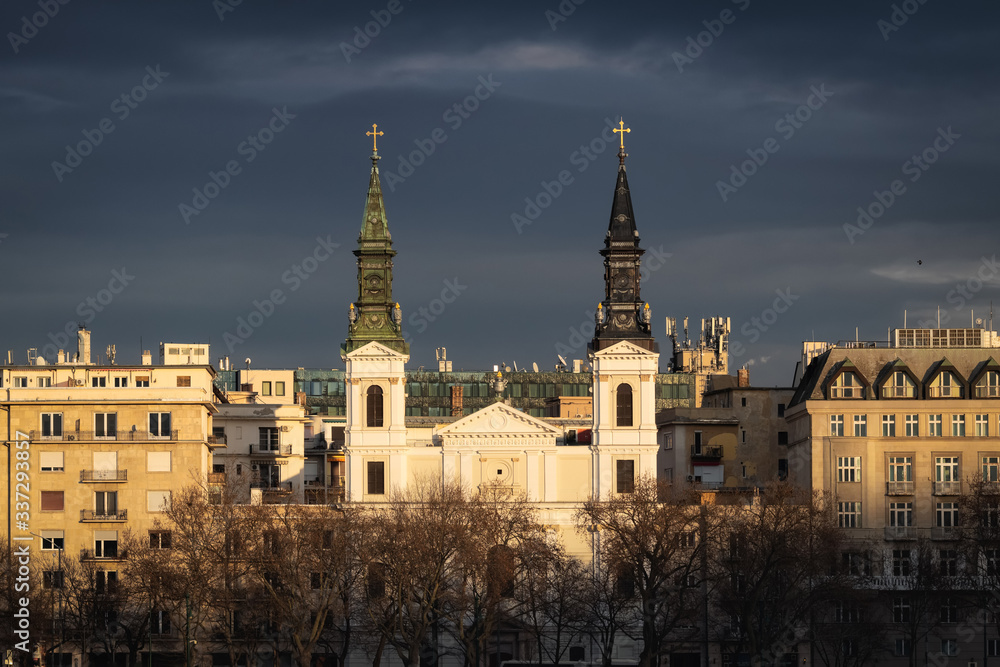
374, 406
624, 404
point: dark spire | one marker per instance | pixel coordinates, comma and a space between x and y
622, 315
374, 316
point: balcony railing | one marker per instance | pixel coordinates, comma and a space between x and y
216, 478
706, 451
899, 488
217, 440
93, 515
134, 436
115, 554
898, 392
273, 450
847, 392
103, 475
944, 532
275, 487
991, 488
944, 392
986, 391
947, 488
900, 533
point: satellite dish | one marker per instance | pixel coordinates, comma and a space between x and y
247, 361
562, 360
506, 369
534, 366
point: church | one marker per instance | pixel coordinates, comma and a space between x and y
499, 444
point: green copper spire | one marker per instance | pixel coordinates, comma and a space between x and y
375, 316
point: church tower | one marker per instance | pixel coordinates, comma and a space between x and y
375, 357
625, 357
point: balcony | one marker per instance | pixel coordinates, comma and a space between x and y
103, 475
991, 488
93, 515
218, 440
944, 533
128, 436
899, 488
706, 451
107, 554
272, 487
271, 450
216, 478
947, 488
900, 533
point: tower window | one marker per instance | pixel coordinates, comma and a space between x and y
624, 405
374, 404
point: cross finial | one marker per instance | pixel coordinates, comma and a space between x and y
374, 134
622, 131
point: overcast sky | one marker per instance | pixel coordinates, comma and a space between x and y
113, 114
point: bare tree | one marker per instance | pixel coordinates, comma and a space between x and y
610, 611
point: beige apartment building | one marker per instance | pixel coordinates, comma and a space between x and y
108, 445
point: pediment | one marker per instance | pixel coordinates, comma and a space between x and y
502, 422
375, 350
624, 349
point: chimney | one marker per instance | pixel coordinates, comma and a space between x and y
743, 376
147, 358
61, 357
83, 346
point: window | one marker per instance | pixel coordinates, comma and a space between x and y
106, 425
900, 613
20, 382
157, 501
52, 501
912, 426
900, 474
934, 425
899, 386
949, 647
121, 381
159, 539
991, 468
846, 613
374, 407
624, 475
53, 579
279, 388
105, 582
316, 580
946, 479
847, 385
948, 564
860, 426
992, 557
142, 381
781, 410
106, 503
849, 647
993, 648
50, 461
856, 563
624, 404
849, 514
958, 425
901, 514
743, 402
52, 423
697, 441
376, 478
105, 544
99, 382
947, 515
888, 426
183, 380
782, 437
982, 426
989, 385
901, 562
52, 540
265, 388
157, 461
159, 424
267, 438
848, 468
837, 425
945, 385
903, 648
668, 440
782, 469
160, 622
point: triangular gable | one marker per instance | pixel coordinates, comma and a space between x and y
502, 421
374, 350
977, 374
887, 373
625, 349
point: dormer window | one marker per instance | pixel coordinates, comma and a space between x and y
847, 385
945, 385
900, 385
988, 385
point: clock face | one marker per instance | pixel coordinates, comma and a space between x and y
622, 281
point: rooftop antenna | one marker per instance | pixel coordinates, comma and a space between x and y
904, 318
939, 317
515, 367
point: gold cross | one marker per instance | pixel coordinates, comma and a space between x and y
375, 135
622, 131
